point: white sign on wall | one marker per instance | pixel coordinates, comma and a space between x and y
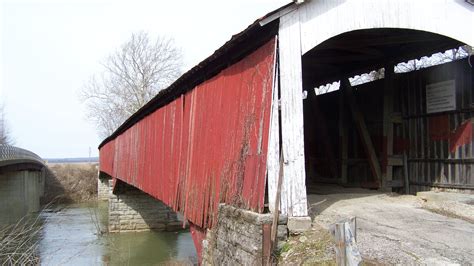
441, 96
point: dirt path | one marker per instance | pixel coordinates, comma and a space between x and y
394, 229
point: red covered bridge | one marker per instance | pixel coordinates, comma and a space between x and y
207, 146
216, 134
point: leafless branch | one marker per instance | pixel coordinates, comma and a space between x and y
132, 76
5, 136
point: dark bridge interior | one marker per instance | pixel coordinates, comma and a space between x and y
391, 110
361, 51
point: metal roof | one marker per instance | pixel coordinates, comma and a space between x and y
10, 155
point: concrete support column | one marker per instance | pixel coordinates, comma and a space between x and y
20, 193
133, 210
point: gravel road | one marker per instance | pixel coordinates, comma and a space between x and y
395, 229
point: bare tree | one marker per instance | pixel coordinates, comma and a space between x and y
5, 137
132, 76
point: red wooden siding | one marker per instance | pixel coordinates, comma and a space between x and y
206, 147
106, 158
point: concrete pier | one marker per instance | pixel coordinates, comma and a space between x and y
20, 193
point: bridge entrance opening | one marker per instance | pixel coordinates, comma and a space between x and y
389, 109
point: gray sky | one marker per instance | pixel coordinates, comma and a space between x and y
49, 49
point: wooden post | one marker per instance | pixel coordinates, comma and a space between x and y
276, 212
321, 122
266, 244
387, 171
362, 129
340, 244
343, 139
345, 234
353, 226
405, 173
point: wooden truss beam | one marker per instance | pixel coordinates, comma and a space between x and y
362, 129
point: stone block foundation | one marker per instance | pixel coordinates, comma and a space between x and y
297, 225
103, 189
237, 239
132, 210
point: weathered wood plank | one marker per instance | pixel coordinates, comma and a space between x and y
455, 153
405, 174
274, 148
362, 129
322, 125
343, 138
387, 173
292, 115
340, 244
276, 211
345, 235
395, 160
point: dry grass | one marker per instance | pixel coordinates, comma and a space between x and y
19, 242
314, 247
71, 183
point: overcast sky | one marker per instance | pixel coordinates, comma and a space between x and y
50, 48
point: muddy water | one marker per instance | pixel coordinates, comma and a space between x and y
70, 237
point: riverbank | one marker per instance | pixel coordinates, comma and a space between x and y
70, 183
70, 234
71, 229
63, 183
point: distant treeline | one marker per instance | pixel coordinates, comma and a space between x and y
74, 160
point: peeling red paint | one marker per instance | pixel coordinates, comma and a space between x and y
461, 136
198, 234
206, 147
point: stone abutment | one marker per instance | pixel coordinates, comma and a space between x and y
239, 237
132, 210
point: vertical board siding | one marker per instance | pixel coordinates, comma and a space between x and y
433, 159
106, 162
205, 147
273, 156
293, 196
426, 138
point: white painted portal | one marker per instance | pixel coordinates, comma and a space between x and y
302, 27
293, 200
323, 19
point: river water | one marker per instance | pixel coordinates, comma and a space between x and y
70, 237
